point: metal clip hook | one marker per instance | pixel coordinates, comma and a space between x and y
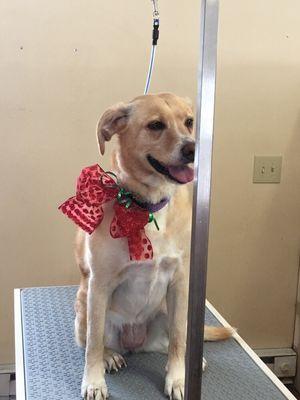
155, 9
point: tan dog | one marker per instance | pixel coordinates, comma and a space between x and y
142, 306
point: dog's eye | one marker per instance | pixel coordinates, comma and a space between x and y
156, 126
189, 122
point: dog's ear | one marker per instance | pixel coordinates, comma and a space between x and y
114, 120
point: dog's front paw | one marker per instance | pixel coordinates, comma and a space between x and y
174, 389
174, 386
94, 391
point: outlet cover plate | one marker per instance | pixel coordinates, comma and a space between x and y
267, 169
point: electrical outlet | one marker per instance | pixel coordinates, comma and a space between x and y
267, 169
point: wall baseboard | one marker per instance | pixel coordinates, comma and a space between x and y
7, 380
281, 361
297, 332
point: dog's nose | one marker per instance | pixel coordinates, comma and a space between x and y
188, 152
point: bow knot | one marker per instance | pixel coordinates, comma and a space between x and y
94, 189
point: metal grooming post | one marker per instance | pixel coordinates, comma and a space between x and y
201, 203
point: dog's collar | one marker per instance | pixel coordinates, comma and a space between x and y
153, 207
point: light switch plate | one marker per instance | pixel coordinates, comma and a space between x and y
267, 169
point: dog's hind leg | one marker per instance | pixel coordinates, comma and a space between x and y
157, 335
113, 361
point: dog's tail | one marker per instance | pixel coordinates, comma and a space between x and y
214, 333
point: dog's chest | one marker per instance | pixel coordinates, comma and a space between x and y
113, 253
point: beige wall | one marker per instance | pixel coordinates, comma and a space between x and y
52, 95
255, 228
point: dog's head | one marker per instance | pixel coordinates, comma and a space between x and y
156, 138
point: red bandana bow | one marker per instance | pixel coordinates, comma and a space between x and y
95, 188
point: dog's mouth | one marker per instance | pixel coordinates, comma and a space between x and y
180, 174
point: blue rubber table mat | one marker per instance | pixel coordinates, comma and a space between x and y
54, 364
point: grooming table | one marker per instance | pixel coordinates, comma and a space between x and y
49, 365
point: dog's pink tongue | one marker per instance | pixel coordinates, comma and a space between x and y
183, 174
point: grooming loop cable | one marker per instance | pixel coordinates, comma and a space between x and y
155, 36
